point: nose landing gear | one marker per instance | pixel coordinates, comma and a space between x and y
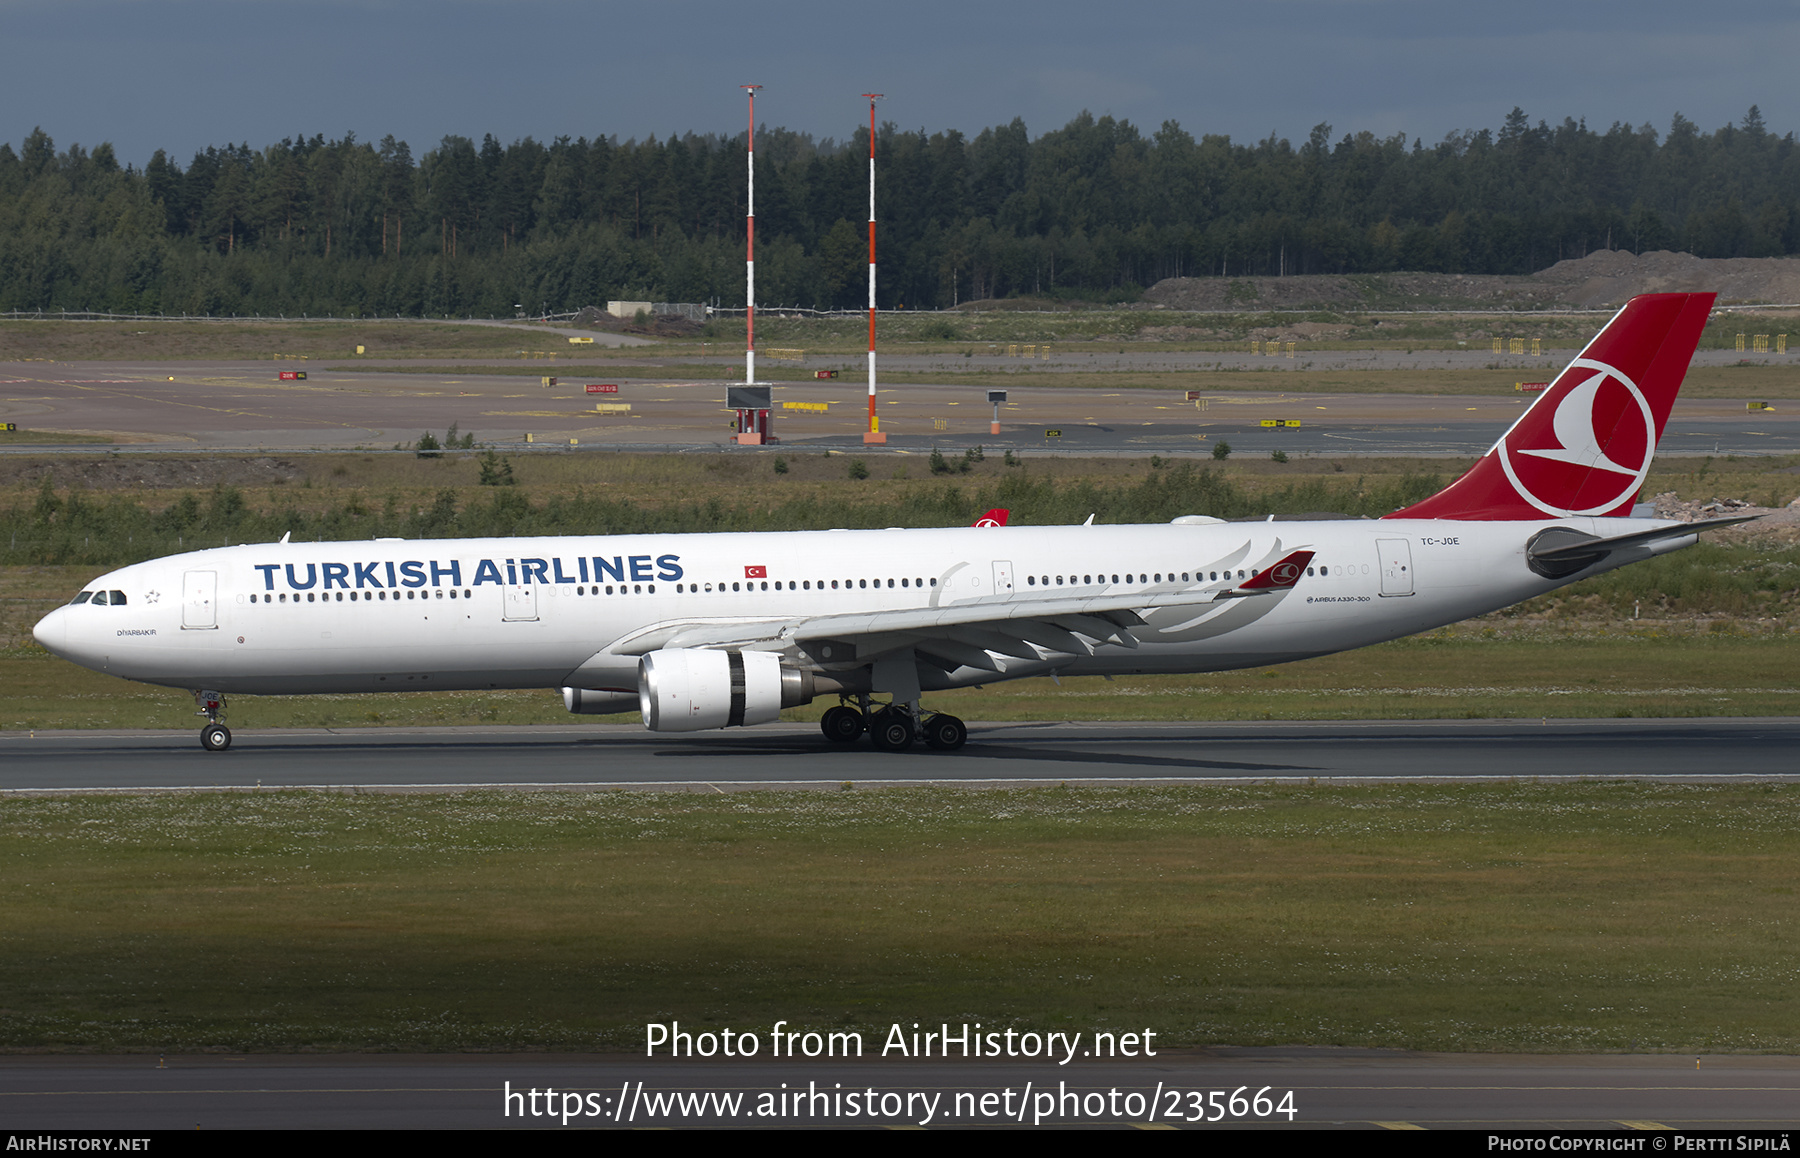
215, 737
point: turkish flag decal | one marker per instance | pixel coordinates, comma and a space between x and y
756, 572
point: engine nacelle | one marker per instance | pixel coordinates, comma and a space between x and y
692, 689
593, 702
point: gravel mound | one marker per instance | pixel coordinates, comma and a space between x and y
1604, 279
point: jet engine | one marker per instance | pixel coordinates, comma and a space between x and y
691, 689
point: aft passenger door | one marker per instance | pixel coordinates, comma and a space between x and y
1396, 566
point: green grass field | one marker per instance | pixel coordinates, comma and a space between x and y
1516, 917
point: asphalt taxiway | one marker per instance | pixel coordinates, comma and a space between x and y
588, 756
243, 406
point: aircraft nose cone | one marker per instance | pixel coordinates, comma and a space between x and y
52, 631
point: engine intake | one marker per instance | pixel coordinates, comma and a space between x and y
692, 689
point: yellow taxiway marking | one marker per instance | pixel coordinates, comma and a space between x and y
1399, 1126
1632, 1125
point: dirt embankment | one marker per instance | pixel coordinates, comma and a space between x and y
1602, 280
148, 472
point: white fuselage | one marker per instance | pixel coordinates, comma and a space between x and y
420, 615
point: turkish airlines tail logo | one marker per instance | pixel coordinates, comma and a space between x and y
1584, 447
994, 518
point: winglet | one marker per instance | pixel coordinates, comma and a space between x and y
994, 518
1279, 576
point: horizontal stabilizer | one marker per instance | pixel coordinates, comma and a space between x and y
1559, 552
1637, 538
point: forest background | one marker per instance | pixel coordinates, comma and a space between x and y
1094, 211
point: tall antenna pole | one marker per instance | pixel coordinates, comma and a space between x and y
750, 248
874, 432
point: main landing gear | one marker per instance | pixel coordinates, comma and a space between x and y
894, 727
215, 737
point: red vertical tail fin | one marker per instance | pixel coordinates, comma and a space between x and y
994, 518
1584, 446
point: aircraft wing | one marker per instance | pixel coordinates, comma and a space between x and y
970, 634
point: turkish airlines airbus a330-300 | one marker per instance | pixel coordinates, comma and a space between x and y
721, 630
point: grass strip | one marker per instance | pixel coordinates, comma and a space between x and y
1516, 917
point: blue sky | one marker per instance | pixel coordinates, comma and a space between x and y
182, 74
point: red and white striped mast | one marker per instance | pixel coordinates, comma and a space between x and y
750, 247
874, 432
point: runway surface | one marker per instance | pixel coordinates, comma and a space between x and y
796, 756
1329, 1088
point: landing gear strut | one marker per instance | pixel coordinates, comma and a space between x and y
215, 737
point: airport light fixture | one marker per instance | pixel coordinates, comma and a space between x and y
873, 435
750, 246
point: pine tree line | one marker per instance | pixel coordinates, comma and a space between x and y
1095, 210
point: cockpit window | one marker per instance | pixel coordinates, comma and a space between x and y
118, 599
82, 598
99, 599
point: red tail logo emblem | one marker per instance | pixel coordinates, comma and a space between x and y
1583, 448
1601, 399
